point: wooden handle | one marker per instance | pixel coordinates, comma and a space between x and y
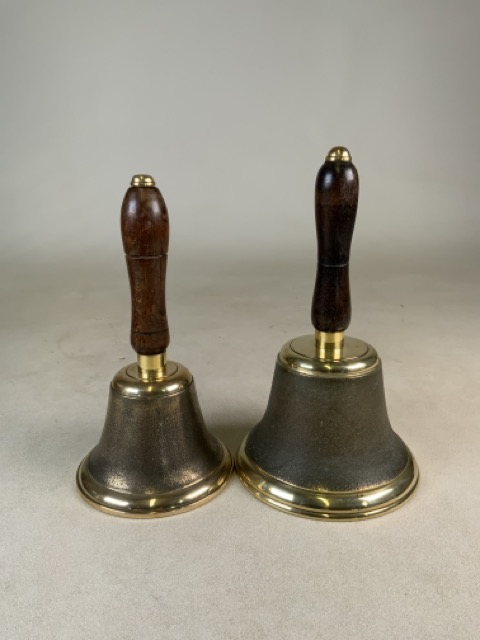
336, 198
145, 232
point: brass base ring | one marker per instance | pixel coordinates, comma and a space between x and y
323, 504
129, 505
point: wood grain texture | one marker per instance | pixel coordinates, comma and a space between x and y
145, 232
336, 199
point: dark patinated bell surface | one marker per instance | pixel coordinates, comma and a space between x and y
325, 447
155, 455
172, 449
331, 434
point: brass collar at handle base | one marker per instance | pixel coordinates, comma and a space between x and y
329, 346
152, 367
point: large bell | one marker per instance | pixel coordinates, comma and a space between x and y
155, 456
325, 447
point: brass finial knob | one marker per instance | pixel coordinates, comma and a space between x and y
338, 154
142, 180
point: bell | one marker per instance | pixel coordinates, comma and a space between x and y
155, 456
325, 447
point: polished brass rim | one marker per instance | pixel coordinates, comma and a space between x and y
156, 505
328, 505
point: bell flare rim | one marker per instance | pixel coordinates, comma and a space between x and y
158, 505
322, 504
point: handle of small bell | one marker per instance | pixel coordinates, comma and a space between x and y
145, 233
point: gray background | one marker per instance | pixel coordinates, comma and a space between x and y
232, 107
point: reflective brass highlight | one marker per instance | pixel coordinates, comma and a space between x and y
142, 180
338, 154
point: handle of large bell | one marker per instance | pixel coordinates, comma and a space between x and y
336, 198
145, 231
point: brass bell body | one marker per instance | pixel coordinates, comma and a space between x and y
325, 447
155, 456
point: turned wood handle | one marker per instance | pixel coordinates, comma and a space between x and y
144, 221
336, 197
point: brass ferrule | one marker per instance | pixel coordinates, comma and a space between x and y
152, 367
329, 346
